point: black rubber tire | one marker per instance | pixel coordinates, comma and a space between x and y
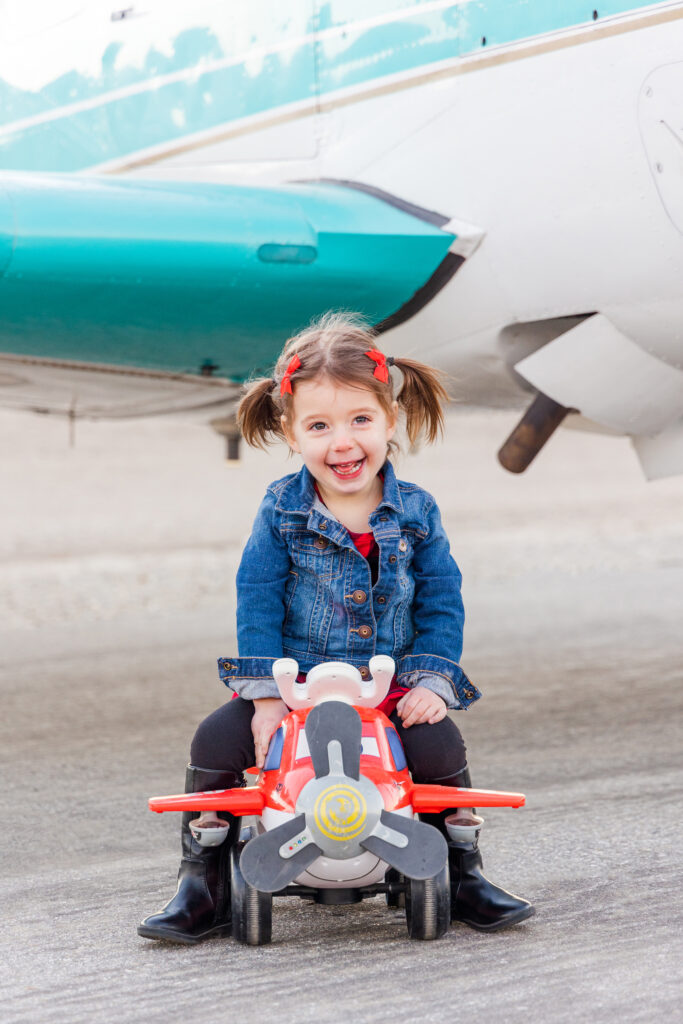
428, 906
395, 900
252, 910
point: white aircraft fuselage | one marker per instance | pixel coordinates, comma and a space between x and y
549, 140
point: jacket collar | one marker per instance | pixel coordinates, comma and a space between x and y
298, 495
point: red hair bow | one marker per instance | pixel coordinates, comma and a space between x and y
381, 371
286, 384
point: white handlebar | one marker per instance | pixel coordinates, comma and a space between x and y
334, 680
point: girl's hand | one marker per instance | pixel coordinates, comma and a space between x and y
268, 713
421, 705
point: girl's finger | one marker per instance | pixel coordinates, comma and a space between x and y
430, 715
402, 708
260, 746
415, 716
406, 714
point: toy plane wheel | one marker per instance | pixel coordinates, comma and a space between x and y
428, 906
395, 900
252, 910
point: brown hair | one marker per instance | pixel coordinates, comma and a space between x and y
334, 346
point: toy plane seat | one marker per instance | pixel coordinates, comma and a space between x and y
334, 680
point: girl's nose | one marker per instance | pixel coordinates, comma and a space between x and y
341, 441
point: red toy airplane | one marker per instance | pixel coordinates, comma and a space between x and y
335, 803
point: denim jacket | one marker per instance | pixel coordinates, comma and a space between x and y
304, 591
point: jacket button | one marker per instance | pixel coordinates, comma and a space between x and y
364, 671
227, 665
381, 600
365, 632
469, 694
392, 559
321, 542
402, 545
323, 524
358, 596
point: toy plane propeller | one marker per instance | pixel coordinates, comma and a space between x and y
341, 814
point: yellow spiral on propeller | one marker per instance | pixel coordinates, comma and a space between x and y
340, 812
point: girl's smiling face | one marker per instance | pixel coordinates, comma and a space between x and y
342, 434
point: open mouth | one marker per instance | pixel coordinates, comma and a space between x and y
347, 470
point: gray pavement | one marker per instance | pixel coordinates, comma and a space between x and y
116, 599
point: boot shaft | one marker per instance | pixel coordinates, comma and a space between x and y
201, 905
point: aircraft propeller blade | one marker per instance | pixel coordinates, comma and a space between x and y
272, 860
334, 726
415, 849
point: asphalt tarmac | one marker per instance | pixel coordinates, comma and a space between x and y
115, 600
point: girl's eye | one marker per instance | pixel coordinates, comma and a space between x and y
362, 419
317, 426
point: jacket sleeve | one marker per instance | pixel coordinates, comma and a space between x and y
261, 581
438, 616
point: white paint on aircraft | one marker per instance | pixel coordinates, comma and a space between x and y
597, 369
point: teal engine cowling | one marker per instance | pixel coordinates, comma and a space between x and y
178, 277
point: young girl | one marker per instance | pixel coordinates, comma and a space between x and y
344, 562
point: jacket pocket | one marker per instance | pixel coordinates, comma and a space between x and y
317, 555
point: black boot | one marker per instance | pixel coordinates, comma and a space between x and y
474, 900
201, 905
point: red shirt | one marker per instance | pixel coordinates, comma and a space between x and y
365, 542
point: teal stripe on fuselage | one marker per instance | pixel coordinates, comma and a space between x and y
164, 107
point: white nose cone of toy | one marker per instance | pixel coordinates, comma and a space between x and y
334, 680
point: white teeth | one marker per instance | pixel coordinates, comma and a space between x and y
346, 468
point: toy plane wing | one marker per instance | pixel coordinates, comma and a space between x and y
429, 799
236, 801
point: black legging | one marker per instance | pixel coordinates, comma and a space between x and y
224, 742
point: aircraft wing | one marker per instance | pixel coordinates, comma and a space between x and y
201, 279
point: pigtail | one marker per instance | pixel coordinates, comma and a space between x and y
258, 417
421, 397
